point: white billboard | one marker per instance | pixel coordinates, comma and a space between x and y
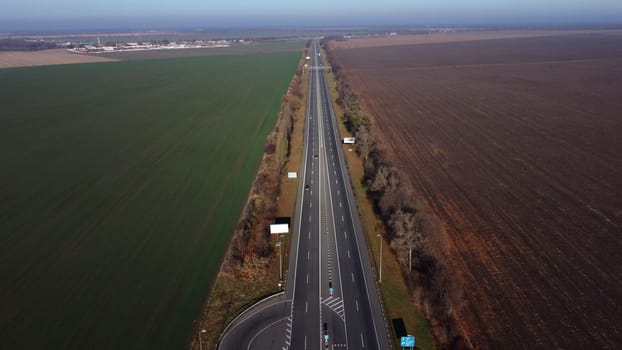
276, 229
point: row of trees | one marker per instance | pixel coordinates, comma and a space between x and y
251, 239
414, 232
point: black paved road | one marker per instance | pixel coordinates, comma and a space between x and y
331, 299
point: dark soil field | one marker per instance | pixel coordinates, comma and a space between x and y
515, 144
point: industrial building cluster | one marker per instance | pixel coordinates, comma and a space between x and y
152, 45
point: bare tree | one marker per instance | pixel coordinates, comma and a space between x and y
415, 240
407, 235
393, 179
399, 240
381, 181
365, 142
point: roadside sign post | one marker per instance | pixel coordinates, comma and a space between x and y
278, 229
407, 342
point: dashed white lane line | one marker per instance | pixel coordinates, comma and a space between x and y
346, 235
309, 218
307, 306
348, 253
309, 234
357, 304
308, 278
362, 341
343, 219
352, 277
339, 204
308, 255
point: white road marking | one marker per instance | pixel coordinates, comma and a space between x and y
308, 278
346, 235
342, 219
308, 254
309, 234
305, 342
348, 253
357, 304
362, 342
307, 306
352, 277
339, 204
309, 218
263, 329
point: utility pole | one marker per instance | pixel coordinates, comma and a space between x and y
380, 273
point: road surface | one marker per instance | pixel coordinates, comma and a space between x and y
331, 299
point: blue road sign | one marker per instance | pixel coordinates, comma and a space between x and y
408, 342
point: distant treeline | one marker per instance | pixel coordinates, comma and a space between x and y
25, 45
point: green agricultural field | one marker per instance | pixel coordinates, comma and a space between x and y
119, 187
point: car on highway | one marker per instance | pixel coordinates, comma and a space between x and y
306, 187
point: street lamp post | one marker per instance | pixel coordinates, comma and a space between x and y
380, 274
279, 244
201, 340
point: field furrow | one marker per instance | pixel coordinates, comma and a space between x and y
515, 145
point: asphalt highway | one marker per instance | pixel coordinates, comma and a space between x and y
331, 299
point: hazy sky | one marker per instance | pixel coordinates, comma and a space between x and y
322, 12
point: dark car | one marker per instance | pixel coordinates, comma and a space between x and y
306, 187
315, 156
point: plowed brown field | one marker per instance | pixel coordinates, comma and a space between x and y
516, 144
